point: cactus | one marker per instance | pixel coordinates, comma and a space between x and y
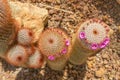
30, 16
8, 27
55, 44
25, 36
36, 60
17, 55
92, 36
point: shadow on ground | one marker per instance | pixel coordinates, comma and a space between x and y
6, 66
74, 73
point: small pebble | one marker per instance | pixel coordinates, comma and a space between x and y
100, 72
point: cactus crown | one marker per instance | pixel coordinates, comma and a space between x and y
25, 36
17, 55
53, 43
94, 34
36, 59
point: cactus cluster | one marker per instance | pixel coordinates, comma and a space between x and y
26, 46
16, 41
25, 53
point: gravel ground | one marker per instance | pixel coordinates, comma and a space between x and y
66, 14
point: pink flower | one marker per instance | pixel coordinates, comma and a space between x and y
67, 42
82, 35
94, 46
51, 57
64, 51
104, 43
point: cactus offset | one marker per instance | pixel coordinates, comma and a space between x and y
36, 60
25, 36
17, 55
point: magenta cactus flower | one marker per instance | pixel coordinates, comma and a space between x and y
94, 46
64, 51
67, 42
104, 43
51, 57
82, 35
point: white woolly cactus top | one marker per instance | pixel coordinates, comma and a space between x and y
94, 33
25, 36
36, 59
54, 43
17, 55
